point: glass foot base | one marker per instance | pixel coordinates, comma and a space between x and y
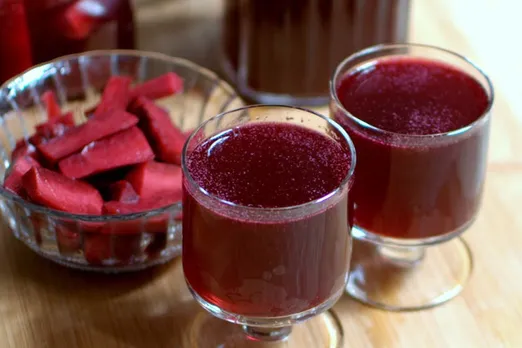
408, 278
323, 330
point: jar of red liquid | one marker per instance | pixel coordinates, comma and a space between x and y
284, 51
15, 49
35, 31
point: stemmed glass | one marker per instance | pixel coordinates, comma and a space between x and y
265, 268
414, 195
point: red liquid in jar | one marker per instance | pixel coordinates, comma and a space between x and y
255, 267
407, 187
15, 49
36, 31
106, 24
291, 47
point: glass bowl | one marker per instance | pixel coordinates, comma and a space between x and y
113, 243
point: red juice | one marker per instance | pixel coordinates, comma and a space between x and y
61, 27
289, 48
15, 49
256, 263
409, 185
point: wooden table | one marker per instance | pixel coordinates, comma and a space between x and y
44, 305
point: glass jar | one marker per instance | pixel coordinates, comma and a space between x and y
284, 51
15, 47
60, 27
55, 28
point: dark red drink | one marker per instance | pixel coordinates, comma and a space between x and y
15, 48
61, 27
248, 257
285, 50
35, 31
421, 137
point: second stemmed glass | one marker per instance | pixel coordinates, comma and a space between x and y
250, 256
417, 188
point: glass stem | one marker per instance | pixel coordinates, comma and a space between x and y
267, 334
404, 257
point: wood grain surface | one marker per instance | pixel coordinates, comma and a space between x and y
45, 305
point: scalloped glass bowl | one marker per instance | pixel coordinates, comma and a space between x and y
100, 243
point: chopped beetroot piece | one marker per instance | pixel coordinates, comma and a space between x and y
126, 247
95, 128
143, 205
68, 238
159, 87
13, 182
51, 131
91, 227
155, 178
103, 181
23, 148
101, 247
135, 105
124, 227
122, 191
156, 224
84, 17
77, 25
157, 244
52, 107
97, 248
56, 191
56, 126
37, 139
67, 119
116, 95
166, 140
68, 233
118, 150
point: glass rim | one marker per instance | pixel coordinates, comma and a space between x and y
14, 83
381, 47
346, 180
54, 213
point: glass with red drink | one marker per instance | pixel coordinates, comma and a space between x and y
36, 31
266, 226
62, 27
419, 118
